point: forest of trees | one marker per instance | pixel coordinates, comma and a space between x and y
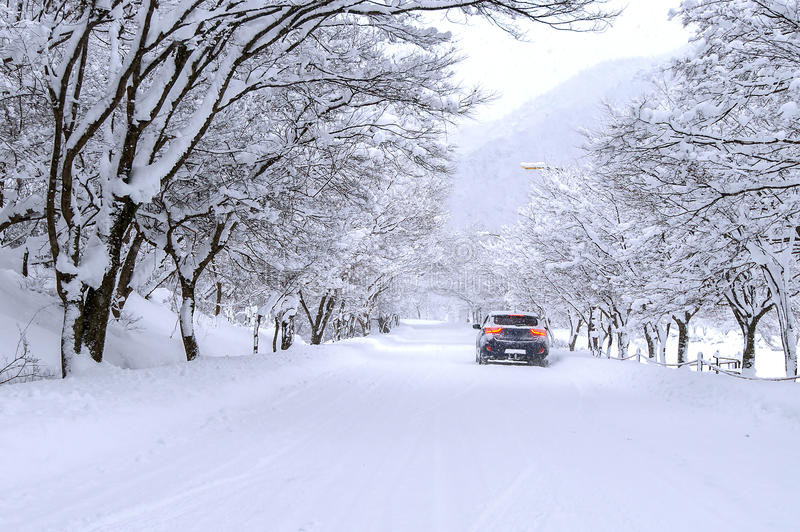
689, 198
262, 160
287, 164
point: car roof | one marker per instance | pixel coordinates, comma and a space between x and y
510, 312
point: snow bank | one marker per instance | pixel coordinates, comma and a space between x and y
148, 334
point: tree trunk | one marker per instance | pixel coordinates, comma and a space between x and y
776, 268
124, 287
622, 343
275, 335
95, 317
69, 290
384, 323
574, 340
749, 351
608, 334
683, 334
320, 321
256, 327
593, 334
218, 302
287, 332
25, 257
788, 340
338, 328
71, 332
652, 345
574, 331
187, 319
662, 343
783, 308
620, 322
97, 306
748, 304
683, 339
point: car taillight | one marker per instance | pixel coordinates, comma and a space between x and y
538, 332
492, 330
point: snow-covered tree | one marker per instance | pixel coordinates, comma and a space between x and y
127, 91
712, 155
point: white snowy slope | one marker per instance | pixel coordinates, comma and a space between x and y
398, 432
148, 335
489, 184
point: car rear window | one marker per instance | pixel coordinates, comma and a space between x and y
512, 319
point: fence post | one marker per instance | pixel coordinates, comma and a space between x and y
699, 362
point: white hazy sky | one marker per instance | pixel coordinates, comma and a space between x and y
519, 71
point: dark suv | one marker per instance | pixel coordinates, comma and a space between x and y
515, 336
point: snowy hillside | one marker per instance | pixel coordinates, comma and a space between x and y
489, 184
147, 335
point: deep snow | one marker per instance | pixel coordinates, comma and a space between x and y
148, 335
398, 432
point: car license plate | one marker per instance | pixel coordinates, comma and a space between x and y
515, 351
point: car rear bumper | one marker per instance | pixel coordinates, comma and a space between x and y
510, 350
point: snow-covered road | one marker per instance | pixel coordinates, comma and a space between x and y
399, 432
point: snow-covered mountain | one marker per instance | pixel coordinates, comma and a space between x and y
489, 184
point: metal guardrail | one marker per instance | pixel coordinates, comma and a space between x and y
727, 362
716, 366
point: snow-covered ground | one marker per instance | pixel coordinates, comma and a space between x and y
398, 432
710, 341
147, 336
